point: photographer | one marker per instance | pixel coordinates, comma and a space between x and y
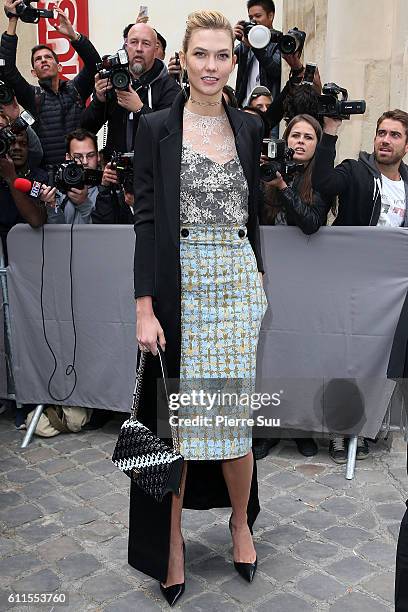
293, 201
76, 205
373, 189
260, 98
35, 151
257, 66
160, 47
55, 104
295, 98
122, 109
17, 207
114, 204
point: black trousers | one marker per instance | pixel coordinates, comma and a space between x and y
401, 571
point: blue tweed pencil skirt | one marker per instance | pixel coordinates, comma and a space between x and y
222, 307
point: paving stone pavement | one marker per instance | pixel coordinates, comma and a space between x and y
323, 543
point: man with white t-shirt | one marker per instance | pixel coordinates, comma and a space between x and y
372, 190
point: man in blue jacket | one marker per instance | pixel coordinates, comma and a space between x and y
55, 104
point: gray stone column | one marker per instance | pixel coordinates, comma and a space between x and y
362, 46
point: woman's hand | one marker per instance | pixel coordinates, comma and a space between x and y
278, 182
149, 332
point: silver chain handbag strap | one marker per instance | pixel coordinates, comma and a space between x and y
138, 390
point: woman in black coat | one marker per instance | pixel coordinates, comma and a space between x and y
291, 200
155, 542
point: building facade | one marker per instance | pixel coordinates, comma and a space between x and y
362, 46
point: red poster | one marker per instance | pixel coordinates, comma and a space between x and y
77, 11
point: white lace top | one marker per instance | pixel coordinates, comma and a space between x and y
213, 188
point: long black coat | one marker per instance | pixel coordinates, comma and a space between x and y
157, 273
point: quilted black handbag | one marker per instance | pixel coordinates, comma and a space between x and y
153, 466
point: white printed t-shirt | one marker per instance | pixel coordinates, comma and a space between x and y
393, 203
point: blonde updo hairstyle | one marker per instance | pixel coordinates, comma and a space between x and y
206, 20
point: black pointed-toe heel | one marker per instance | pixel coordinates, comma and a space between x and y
173, 593
246, 570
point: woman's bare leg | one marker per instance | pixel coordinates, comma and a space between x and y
175, 573
238, 477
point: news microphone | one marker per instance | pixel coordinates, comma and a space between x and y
33, 189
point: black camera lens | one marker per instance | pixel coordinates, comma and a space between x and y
288, 44
72, 174
268, 171
248, 25
121, 79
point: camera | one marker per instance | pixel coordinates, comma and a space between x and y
247, 26
6, 92
280, 159
8, 134
70, 175
260, 36
28, 14
290, 43
116, 69
309, 74
329, 104
123, 164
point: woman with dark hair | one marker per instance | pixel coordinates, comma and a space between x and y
292, 201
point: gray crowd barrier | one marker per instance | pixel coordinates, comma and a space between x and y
335, 298
3, 370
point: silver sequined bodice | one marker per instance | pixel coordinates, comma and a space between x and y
212, 192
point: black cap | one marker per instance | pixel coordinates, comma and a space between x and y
162, 40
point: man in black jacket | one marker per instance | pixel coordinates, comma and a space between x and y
114, 204
372, 190
257, 66
56, 105
152, 89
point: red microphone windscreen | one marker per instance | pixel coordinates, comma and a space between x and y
22, 184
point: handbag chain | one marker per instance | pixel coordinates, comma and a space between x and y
138, 390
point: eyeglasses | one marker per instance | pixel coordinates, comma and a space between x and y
82, 156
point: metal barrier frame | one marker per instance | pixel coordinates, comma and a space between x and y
11, 388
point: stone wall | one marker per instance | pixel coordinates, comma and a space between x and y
363, 47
